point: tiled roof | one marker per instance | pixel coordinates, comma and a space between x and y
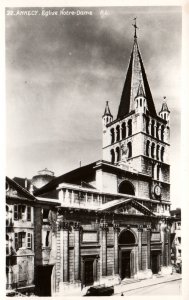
18, 187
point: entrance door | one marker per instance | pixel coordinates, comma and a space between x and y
155, 262
125, 264
89, 280
44, 280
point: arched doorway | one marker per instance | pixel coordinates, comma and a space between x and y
126, 187
127, 245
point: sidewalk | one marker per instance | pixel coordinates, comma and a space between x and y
145, 282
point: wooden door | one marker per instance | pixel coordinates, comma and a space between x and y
88, 278
155, 262
125, 264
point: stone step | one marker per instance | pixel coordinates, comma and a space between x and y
129, 280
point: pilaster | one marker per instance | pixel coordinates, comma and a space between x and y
76, 251
116, 230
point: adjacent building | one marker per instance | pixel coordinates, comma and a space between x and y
19, 237
30, 238
176, 244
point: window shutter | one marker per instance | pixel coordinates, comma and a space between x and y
15, 212
28, 213
29, 241
16, 241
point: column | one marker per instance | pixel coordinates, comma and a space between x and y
61, 196
148, 247
98, 199
59, 254
72, 201
92, 200
150, 127
104, 251
169, 247
100, 240
155, 128
76, 251
66, 196
162, 227
139, 247
65, 251
116, 230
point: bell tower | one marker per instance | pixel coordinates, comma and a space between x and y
138, 139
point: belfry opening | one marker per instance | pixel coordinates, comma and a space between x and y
126, 187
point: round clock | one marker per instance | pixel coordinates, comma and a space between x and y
157, 190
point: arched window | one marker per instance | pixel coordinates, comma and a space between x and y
129, 127
126, 237
112, 135
147, 125
157, 131
117, 133
162, 132
112, 156
165, 116
123, 131
157, 152
126, 187
152, 150
158, 171
162, 153
148, 148
152, 128
117, 154
140, 101
129, 145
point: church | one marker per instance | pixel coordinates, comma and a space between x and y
113, 217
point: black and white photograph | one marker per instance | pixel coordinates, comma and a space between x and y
93, 150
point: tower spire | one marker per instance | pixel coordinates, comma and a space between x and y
135, 75
135, 27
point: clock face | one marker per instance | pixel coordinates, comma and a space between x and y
157, 190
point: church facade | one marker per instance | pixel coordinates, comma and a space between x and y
113, 215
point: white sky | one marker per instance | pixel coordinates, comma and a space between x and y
60, 70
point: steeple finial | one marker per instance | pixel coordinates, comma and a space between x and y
135, 26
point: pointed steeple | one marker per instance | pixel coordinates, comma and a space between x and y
140, 91
135, 75
107, 116
165, 112
107, 110
164, 107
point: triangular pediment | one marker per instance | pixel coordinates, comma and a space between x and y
126, 206
14, 190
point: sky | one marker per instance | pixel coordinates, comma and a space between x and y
60, 71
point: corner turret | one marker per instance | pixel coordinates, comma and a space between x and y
140, 100
165, 112
107, 116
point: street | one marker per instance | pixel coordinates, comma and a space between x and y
167, 288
